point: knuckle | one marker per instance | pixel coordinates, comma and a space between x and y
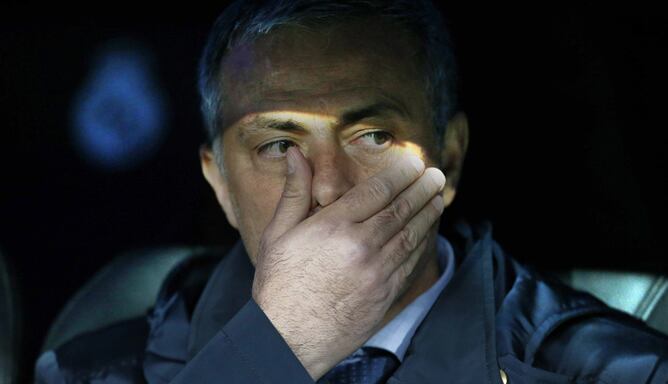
291, 192
378, 189
326, 227
376, 286
372, 278
404, 271
263, 245
395, 257
357, 251
353, 198
408, 239
401, 208
381, 219
384, 295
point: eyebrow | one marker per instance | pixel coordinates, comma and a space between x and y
349, 117
263, 124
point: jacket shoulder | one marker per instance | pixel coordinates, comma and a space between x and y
616, 346
113, 353
546, 325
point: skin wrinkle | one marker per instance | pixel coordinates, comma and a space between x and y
272, 72
295, 77
287, 96
413, 46
257, 125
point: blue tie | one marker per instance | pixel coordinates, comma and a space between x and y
367, 365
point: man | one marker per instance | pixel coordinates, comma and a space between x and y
329, 123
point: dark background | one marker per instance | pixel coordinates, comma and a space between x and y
567, 155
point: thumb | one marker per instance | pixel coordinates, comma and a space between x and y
295, 202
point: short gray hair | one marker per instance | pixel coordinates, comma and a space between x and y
244, 20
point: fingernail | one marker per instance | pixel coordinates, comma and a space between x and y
291, 162
439, 178
416, 162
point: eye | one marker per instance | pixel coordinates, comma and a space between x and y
375, 139
276, 148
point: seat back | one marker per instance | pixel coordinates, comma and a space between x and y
9, 326
128, 286
124, 289
642, 295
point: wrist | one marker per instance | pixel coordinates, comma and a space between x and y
307, 348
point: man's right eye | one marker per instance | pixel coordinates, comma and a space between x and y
275, 149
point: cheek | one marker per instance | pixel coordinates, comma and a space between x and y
256, 197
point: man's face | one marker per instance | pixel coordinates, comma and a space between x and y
350, 96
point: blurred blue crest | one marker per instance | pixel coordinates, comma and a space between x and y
119, 113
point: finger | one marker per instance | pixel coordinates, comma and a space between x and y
408, 239
380, 227
295, 202
372, 195
404, 275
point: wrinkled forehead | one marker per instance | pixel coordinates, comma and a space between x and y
324, 69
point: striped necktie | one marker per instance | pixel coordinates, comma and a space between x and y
367, 365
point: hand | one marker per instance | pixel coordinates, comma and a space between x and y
327, 281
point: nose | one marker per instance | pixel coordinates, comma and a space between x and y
332, 176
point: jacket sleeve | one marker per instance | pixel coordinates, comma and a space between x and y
248, 349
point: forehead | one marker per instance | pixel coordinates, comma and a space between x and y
324, 69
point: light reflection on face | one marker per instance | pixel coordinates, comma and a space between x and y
349, 96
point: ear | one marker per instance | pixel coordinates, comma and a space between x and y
214, 176
454, 146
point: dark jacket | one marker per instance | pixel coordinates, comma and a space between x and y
495, 315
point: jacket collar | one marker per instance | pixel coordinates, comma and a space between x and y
455, 341
229, 288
